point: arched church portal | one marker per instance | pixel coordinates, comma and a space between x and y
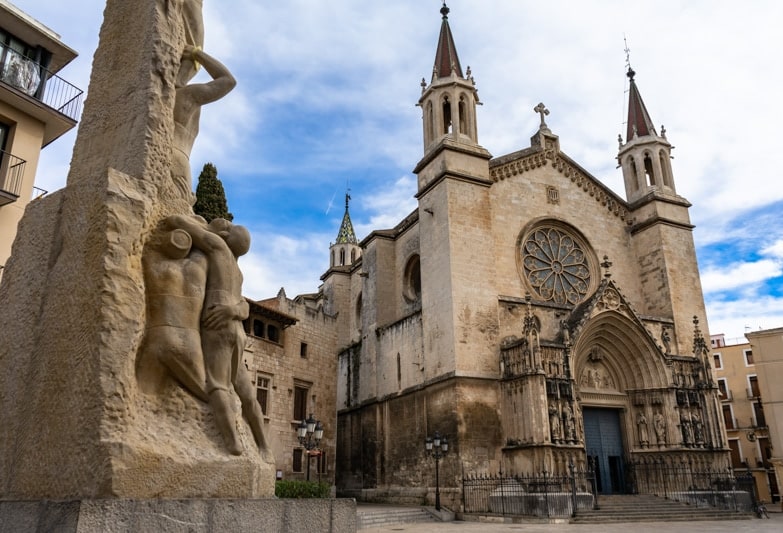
613, 359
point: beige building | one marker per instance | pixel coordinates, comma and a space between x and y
524, 311
767, 346
36, 107
290, 352
739, 377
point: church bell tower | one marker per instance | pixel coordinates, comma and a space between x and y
646, 156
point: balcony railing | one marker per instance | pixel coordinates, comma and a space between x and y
726, 395
30, 78
753, 393
11, 174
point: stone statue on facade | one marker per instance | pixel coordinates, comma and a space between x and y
698, 429
570, 426
687, 428
659, 423
641, 424
554, 423
667, 340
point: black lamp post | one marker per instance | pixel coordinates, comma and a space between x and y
310, 433
436, 446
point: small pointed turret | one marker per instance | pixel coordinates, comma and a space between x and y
646, 156
346, 250
446, 58
346, 234
449, 101
639, 122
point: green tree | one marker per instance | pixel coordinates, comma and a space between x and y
210, 196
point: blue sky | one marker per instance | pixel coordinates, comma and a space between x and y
326, 100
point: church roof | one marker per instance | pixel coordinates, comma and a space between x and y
639, 121
346, 234
446, 59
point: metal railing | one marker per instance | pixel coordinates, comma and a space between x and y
688, 482
11, 173
542, 494
30, 78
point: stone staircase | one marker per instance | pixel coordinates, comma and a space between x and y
649, 508
375, 516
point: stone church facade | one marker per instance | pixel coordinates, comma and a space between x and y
523, 310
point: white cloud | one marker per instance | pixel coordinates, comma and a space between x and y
734, 318
735, 275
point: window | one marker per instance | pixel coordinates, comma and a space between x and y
728, 417
272, 333
718, 360
748, 357
258, 328
556, 264
758, 415
297, 462
412, 279
723, 389
262, 391
303, 350
736, 458
300, 402
753, 387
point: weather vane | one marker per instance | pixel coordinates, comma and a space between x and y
627, 54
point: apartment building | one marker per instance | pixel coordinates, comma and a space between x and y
36, 107
742, 404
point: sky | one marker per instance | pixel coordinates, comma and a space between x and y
326, 96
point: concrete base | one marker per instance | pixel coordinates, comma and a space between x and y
175, 516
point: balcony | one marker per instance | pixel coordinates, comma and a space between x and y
40, 93
11, 173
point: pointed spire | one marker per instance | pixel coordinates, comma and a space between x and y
346, 234
446, 59
639, 122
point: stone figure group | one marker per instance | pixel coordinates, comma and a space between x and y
562, 424
195, 310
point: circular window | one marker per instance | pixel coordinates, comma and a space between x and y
412, 279
556, 265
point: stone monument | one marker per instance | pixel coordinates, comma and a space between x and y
106, 413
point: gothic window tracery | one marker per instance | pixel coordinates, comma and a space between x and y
556, 265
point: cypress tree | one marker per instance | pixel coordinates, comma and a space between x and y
210, 196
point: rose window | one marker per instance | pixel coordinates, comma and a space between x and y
556, 266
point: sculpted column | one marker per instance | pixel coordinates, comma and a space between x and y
78, 419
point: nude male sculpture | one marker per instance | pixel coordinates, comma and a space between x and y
175, 276
187, 110
222, 334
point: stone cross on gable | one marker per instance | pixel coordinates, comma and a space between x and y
543, 111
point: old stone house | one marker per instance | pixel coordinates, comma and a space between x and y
290, 353
523, 310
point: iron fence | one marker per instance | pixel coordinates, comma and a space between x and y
543, 494
11, 173
691, 482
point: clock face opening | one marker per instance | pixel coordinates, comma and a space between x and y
556, 265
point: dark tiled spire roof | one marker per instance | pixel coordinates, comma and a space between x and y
639, 121
446, 58
346, 234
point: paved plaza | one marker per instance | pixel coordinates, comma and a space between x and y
773, 525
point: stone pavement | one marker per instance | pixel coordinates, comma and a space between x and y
773, 525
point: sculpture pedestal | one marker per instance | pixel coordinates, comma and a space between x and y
169, 516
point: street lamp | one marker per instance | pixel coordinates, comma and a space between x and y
310, 433
437, 447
